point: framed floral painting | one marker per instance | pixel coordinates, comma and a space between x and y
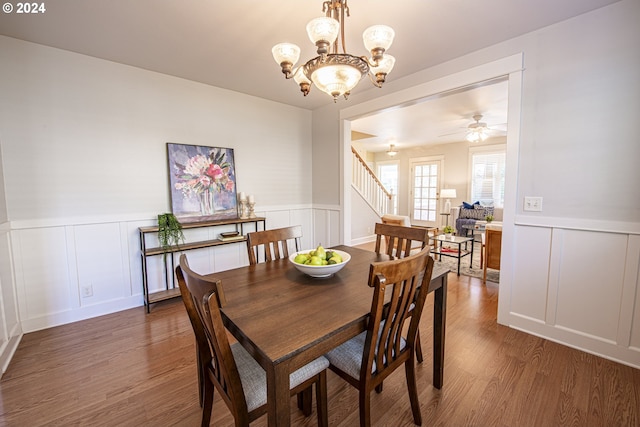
202, 182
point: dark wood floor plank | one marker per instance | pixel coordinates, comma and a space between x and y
137, 369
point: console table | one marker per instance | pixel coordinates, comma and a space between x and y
170, 288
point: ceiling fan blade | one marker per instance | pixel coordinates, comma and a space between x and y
452, 133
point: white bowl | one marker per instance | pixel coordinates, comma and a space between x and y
320, 270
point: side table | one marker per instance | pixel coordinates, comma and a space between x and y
459, 253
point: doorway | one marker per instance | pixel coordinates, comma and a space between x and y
510, 68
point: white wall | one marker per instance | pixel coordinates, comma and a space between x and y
84, 165
574, 143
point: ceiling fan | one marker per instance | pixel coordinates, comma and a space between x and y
478, 131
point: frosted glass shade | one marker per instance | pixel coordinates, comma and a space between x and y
286, 52
336, 80
385, 65
378, 36
323, 29
301, 78
477, 135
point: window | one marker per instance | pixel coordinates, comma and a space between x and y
487, 175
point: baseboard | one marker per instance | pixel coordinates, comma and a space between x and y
363, 240
7, 351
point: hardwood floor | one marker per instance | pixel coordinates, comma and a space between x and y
137, 369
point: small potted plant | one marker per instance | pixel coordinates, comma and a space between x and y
169, 231
488, 218
448, 230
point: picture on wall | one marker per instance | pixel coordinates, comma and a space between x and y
202, 182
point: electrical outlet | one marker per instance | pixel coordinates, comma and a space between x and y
533, 204
87, 291
368, 230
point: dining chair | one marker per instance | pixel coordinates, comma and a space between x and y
366, 360
274, 242
229, 368
399, 243
399, 239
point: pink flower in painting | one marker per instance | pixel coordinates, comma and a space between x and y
202, 173
215, 172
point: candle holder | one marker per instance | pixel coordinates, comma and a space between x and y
252, 213
243, 209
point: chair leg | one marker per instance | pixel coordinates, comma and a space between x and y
207, 404
412, 386
321, 400
419, 357
201, 375
365, 409
305, 401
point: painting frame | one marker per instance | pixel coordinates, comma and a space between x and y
202, 182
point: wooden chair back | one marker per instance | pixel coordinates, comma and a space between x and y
274, 242
493, 251
399, 239
386, 346
217, 366
396, 299
202, 299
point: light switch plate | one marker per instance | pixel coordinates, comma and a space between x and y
533, 204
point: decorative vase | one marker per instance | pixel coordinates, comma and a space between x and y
206, 202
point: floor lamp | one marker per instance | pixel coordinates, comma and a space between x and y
448, 193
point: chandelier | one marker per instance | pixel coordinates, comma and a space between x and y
333, 72
477, 131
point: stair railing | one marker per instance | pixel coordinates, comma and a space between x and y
368, 184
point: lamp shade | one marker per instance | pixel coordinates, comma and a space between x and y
286, 53
378, 36
448, 193
336, 79
323, 29
385, 65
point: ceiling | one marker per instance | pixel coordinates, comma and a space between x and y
228, 43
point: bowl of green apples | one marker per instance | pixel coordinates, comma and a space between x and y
319, 262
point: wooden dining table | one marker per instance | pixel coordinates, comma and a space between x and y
285, 319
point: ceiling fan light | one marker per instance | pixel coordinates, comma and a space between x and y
378, 37
336, 80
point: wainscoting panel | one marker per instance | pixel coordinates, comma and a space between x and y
100, 270
579, 287
69, 272
629, 333
530, 283
590, 282
42, 273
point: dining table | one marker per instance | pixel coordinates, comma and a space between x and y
285, 319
